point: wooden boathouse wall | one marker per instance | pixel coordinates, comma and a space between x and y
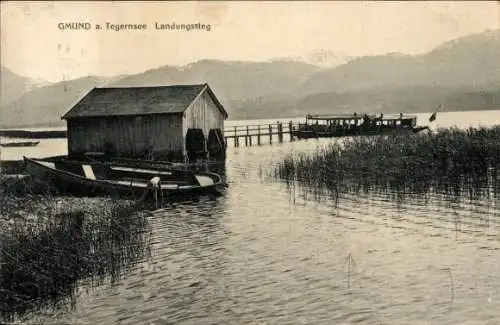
145, 122
127, 136
203, 114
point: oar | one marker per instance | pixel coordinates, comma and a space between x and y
433, 116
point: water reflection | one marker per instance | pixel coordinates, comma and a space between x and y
212, 166
465, 204
189, 254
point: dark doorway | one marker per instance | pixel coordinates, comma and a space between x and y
196, 144
216, 145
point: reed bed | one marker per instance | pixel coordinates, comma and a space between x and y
49, 246
447, 160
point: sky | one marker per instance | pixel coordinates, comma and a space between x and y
32, 44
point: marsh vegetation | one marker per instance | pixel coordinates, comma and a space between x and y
49, 245
450, 161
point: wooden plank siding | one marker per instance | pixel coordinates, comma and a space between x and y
138, 121
203, 114
130, 136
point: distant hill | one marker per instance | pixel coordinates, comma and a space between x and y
229, 80
323, 58
232, 80
43, 106
462, 74
13, 86
468, 61
392, 100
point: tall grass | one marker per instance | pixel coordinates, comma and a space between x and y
49, 245
446, 159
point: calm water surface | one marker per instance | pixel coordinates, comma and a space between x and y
264, 255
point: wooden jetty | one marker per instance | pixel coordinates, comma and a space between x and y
246, 133
259, 132
315, 126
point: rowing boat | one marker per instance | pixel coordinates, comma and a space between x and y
20, 144
80, 178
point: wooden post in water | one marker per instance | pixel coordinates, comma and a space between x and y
235, 137
270, 134
258, 135
246, 137
280, 132
290, 129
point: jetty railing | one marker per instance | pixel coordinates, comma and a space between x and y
259, 132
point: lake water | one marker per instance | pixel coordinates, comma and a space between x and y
52, 147
263, 255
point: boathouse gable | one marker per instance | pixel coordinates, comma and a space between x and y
142, 122
204, 113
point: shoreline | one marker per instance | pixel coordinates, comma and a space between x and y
13, 131
19, 133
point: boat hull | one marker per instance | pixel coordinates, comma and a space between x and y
138, 163
20, 144
70, 183
311, 133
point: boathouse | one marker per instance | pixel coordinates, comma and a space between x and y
157, 122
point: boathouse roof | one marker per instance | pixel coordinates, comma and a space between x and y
127, 101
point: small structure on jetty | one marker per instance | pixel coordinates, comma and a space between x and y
156, 122
342, 125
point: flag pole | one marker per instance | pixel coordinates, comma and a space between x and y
433, 116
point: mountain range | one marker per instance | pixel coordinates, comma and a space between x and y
463, 74
13, 86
